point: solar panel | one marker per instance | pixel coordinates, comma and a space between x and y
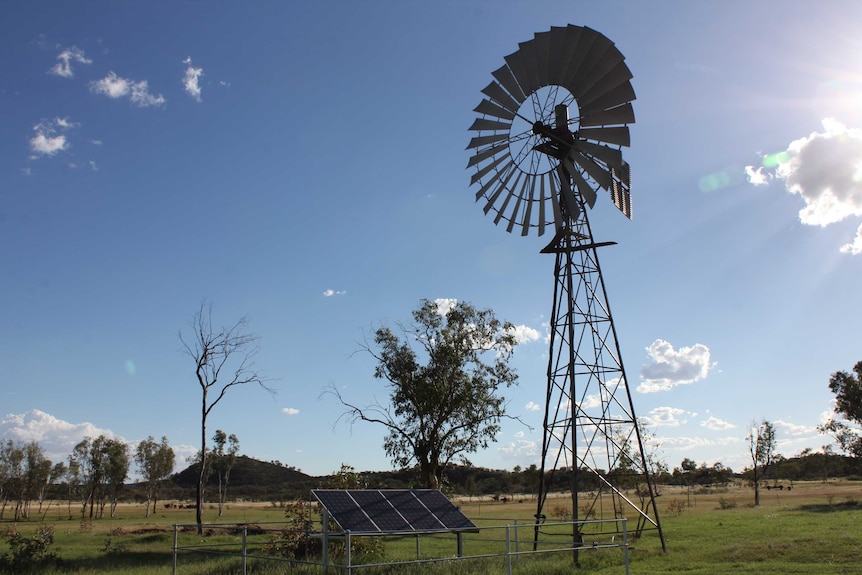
392, 510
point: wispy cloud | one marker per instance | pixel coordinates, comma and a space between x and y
664, 417
716, 424
532, 406
115, 87
332, 292
672, 367
49, 138
63, 68
190, 80
289, 411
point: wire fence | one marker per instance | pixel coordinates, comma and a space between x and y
338, 552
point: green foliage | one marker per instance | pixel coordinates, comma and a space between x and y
28, 554
444, 395
847, 388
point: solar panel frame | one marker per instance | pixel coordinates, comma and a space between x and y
384, 511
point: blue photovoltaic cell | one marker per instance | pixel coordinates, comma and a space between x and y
392, 510
345, 511
381, 511
443, 509
416, 513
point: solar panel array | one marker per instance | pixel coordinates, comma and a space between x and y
392, 510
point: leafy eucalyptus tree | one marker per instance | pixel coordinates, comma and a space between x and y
445, 372
156, 463
225, 449
761, 446
847, 388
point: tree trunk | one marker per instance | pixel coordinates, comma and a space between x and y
202, 475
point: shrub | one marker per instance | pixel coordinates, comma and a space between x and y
724, 503
676, 507
28, 554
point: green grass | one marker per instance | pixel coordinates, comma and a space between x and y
813, 530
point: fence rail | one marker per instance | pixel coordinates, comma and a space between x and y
505, 541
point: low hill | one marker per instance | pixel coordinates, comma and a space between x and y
253, 480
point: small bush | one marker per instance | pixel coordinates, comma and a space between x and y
676, 507
28, 554
724, 503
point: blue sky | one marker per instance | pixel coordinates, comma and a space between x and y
303, 164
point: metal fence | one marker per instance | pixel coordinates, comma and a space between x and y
510, 542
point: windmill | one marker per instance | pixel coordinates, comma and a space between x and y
548, 137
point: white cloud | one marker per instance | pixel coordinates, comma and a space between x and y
758, 177
525, 334
114, 86
190, 80
55, 436
444, 305
825, 168
671, 367
519, 449
63, 68
664, 417
331, 292
290, 411
532, 406
687, 443
794, 429
47, 140
854, 247
716, 424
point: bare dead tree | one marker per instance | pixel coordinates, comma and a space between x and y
224, 359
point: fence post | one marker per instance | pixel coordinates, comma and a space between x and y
244, 550
508, 552
347, 543
626, 544
174, 569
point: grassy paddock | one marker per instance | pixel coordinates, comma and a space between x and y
813, 529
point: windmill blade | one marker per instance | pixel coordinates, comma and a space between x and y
596, 172
516, 210
556, 46
531, 63
542, 41
506, 198
503, 75
586, 190
491, 109
487, 153
567, 54
495, 179
526, 222
567, 196
606, 65
500, 96
555, 203
481, 173
611, 157
480, 141
619, 95
502, 185
624, 114
516, 64
585, 41
599, 46
612, 77
618, 135
484, 124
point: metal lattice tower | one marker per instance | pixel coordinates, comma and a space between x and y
548, 136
